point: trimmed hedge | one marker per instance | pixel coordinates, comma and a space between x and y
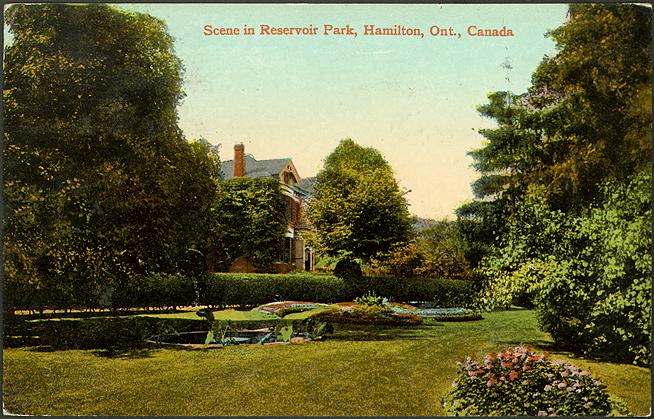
115, 333
439, 292
247, 290
250, 290
157, 290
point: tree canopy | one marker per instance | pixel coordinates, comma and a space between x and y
100, 185
565, 187
586, 118
358, 209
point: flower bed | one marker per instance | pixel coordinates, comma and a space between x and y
386, 313
363, 315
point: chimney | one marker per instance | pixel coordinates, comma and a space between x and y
239, 161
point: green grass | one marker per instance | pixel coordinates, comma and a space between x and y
362, 371
218, 315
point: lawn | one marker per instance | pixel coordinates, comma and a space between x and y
360, 371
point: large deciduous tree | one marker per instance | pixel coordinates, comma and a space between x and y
358, 209
568, 169
100, 184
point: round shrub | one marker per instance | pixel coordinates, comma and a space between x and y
519, 382
348, 270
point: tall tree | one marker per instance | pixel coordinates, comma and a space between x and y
98, 177
358, 209
585, 119
569, 168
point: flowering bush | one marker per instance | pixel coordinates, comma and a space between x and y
519, 382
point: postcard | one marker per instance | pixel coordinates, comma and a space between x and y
216, 209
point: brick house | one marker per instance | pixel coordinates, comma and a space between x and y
295, 190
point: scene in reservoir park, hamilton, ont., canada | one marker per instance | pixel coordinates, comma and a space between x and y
327, 209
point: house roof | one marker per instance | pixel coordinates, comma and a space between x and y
255, 168
308, 184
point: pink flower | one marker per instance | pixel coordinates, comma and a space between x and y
562, 385
513, 375
547, 387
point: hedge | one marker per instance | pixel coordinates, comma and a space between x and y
110, 333
249, 290
439, 292
156, 290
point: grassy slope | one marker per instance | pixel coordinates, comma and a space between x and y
357, 372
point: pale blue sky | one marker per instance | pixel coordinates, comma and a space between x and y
413, 99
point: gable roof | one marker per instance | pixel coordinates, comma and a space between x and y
308, 184
255, 168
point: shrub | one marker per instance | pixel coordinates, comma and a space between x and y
371, 299
441, 292
249, 290
518, 382
348, 270
108, 333
590, 276
166, 291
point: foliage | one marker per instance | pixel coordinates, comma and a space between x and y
444, 252
519, 382
585, 118
257, 289
358, 209
248, 220
284, 332
480, 223
590, 277
566, 183
440, 292
371, 299
166, 291
609, 282
402, 259
348, 270
113, 333
101, 188
438, 251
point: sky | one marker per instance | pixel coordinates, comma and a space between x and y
412, 98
